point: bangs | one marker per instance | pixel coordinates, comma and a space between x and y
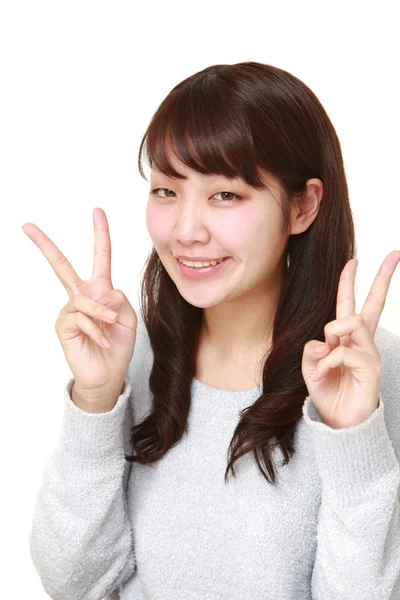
208, 134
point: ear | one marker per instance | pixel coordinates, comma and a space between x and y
306, 207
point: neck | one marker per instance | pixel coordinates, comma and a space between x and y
239, 331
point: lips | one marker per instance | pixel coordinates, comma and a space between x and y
201, 272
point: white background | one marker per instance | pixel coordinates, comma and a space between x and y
79, 83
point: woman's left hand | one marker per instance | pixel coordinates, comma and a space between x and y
343, 375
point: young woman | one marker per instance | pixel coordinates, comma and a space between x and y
241, 439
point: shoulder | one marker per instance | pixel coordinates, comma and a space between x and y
388, 344
139, 372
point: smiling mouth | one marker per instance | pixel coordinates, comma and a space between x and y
198, 258
201, 263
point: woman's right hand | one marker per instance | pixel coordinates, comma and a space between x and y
81, 324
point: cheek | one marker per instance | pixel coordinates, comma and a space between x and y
253, 235
244, 230
239, 227
156, 224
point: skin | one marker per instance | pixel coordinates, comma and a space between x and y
194, 217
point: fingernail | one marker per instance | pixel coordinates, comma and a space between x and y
105, 342
104, 300
110, 314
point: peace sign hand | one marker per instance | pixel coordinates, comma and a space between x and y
98, 370
343, 375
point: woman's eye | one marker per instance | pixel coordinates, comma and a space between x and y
228, 199
224, 199
157, 189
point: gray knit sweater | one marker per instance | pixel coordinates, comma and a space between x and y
174, 530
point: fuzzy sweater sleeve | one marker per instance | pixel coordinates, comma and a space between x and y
81, 538
358, 535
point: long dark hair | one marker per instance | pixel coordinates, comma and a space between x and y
230, 120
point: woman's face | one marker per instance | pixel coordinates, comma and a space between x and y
197, 218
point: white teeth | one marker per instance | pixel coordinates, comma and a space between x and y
199, 265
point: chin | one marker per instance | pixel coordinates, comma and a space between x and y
201, 302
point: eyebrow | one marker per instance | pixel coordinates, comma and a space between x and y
237, 180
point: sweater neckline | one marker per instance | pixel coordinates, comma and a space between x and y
199, 385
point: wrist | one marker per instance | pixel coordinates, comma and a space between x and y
97, 401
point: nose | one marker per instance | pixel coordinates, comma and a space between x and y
190, 224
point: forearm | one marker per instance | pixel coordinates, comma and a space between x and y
81, 538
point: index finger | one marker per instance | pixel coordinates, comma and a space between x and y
373, 306
60, 265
